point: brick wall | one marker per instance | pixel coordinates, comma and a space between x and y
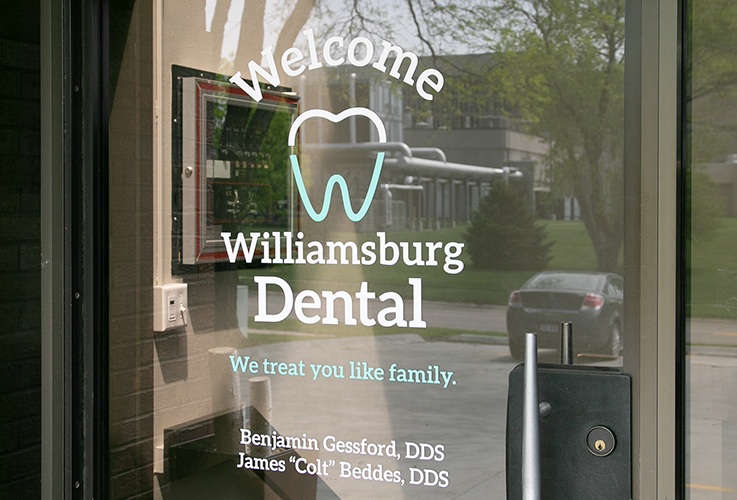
156, 380
131, 252
20, 272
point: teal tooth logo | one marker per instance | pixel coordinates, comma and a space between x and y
337, 178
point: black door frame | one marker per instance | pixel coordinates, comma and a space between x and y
74, 248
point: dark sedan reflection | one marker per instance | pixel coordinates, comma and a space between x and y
592, 301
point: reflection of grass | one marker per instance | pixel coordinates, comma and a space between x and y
293, 330
713, 287
717, 346
571, 250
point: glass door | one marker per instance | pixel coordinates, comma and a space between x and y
331, 225
710, 263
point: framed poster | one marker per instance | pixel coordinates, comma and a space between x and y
235, 173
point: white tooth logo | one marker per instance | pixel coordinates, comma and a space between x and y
337, 178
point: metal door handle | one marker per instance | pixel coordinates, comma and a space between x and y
566, 343
530, 424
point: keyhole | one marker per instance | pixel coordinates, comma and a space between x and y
600, 441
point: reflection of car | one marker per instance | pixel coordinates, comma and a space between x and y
591, 301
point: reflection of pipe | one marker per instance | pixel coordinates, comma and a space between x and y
225, 383
438, 200
432, 167
403, 187
388, 196
397, 147
259, 421
352, 104
388, 218
436, 154
225, 388
416, 165
429, 154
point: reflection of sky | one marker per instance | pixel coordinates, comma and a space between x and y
327, 16
392, 21
232, 29
209, 13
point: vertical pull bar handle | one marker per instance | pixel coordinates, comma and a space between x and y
566, 343
531, 424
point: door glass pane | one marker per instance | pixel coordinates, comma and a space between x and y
328, 224
712, 268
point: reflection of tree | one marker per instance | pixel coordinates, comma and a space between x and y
294, 24
504, 234
712, 79
705, 205
560, 65
562, 68
252, 33
714, 44
712, 98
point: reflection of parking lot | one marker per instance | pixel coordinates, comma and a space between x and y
485, 318
703, 332
713, 332
454, 316
468, 417
712, 426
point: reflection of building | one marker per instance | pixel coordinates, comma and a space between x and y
467, 119
443, 154
469, 129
